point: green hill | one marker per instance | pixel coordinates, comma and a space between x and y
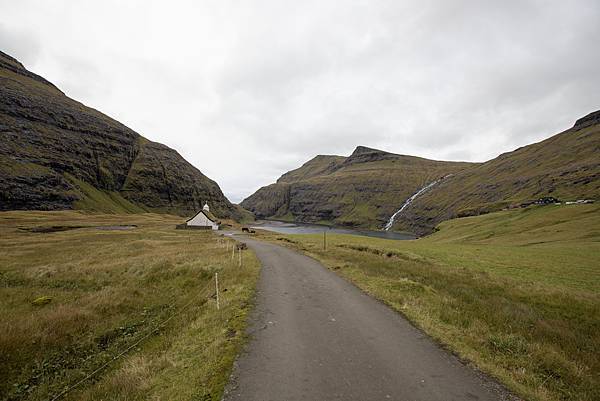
56, 153
368, 187
361, 190
565, 166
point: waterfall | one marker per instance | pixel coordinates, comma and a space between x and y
407, 202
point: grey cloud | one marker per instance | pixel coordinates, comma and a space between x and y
270, 84
20, 44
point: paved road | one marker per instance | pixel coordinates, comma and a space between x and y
316, 337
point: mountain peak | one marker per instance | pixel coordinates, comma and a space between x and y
360, 150
363, 154
591, 119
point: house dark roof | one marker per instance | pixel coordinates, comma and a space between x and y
209, 215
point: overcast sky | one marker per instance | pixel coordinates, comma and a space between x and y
247, 90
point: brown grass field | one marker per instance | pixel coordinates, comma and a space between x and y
74, 293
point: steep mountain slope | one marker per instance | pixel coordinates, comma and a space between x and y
56, 153
319, 165
363, 189
565, 166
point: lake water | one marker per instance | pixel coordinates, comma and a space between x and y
300, 228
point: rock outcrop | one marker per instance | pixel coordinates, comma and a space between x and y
56, 153
588, 120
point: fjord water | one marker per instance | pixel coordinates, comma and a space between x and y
300, 228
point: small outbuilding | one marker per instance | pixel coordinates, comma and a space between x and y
204, 219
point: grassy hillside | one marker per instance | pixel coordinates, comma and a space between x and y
56, 153
363, 190
517, 292
75, 292
319, 165
367, 187
566, 166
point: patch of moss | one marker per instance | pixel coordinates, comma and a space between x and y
92, 199
41, 301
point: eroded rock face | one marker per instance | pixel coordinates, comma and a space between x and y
269, 201
363, 154
588, 120
159, 175
52, 146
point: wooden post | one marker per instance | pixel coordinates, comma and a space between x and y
217, 288
240, 258
324, 240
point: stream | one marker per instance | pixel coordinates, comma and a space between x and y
410, 200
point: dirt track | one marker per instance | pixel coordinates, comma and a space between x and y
314, 336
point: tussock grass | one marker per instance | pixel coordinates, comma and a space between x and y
107, 289
517, 293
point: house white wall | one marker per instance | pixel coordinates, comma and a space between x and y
201, 220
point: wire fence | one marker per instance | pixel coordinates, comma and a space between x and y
222, 243
73, 386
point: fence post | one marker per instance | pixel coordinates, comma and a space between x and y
240, 258
217, 288
324, 240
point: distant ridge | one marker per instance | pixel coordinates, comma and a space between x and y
367, 187
12, 64
565, 166
361, 190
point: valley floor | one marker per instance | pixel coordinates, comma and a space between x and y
517, 293
78, 289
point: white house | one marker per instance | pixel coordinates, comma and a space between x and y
203, 219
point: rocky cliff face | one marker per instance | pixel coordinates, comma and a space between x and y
361, 190
56, 153
587, 121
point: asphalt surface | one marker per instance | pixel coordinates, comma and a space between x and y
314, 336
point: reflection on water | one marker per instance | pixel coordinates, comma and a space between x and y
300, 228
